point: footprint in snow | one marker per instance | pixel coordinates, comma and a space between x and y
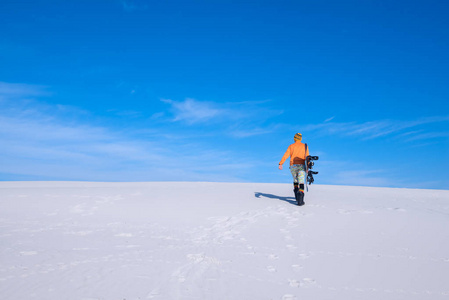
124, 235
291, 247
396, 209
153, 294
303, 255
351, 211
345, 211
271, 269
80, 233
28, 253
306, 282
294, 283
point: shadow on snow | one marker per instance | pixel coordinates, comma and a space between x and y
290, 200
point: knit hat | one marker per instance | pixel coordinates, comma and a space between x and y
297, 137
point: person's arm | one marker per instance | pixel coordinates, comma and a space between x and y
284, 158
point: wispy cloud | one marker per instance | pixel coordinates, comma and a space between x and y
19, 90
383, 128
131, 6
427, 136
237, 119
252, 131
192, 111
363, 178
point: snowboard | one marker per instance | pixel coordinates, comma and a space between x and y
309, 163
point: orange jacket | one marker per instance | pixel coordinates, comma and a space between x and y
297, 153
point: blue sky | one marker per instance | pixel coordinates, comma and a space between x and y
215, 90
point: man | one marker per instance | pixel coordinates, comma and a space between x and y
297, 153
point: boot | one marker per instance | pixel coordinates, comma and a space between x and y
300, 198
299, 193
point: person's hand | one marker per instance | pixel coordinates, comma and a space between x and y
280, 167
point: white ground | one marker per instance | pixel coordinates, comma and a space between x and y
110, 241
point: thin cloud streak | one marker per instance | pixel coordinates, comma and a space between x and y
130, 6
192, 111
238, 120
255, 131
363, 178
377, 129
429, 135
20, 90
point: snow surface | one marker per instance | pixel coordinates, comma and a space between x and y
73, 240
